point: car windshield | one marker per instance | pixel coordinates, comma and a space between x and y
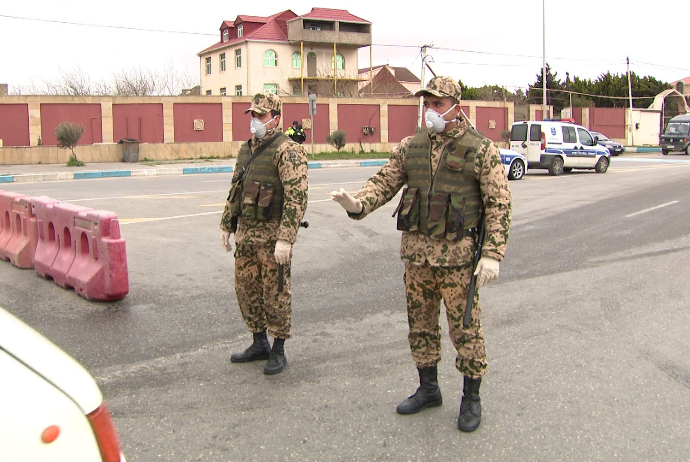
601, 136
677, 128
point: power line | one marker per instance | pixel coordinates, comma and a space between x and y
105, 26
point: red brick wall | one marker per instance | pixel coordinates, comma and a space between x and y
499, 115
402, 122
14, 124
185, 114
240, 121
88, 115
353, 117
143, 122
608, 120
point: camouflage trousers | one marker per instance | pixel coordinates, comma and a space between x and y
425, 287
256, 287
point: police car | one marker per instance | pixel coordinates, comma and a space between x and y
514, 163
558, 146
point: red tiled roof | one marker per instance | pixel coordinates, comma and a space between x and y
273, 29
227, 23
336, 15
244, 18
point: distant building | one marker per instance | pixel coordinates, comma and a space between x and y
398, 82
257, 54
682, 86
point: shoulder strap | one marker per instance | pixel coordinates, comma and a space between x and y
261, 149
240, 173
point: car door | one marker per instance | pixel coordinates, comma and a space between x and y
570, 147
587, 147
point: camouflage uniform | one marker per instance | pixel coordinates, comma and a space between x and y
256, 271
440, 269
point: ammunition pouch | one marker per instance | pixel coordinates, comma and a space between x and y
256, 201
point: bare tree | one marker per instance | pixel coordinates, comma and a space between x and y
74, 82
134, 81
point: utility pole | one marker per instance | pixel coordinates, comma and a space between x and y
543, 62
420, 112
630, 116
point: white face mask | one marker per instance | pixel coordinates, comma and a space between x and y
258, 128
435, 121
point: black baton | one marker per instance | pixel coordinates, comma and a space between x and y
281, 268
472, 289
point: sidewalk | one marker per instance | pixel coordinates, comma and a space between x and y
60, 172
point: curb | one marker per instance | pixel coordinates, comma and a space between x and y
63, 176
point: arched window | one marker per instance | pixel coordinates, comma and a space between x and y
270, 59
338, 61
296, 60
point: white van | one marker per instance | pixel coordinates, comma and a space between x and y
558, 146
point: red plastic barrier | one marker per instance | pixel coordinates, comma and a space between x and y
62, 218
6, 200
22, 245
47, 246
99, 270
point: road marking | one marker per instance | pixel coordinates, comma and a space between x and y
145, 196
129, 221
650, 209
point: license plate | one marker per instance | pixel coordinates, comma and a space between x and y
670, 147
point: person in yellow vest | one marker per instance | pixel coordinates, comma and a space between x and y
296, 133
264, 209
455, 182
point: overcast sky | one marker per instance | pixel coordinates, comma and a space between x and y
482, 42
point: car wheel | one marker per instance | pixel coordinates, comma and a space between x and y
687, 150
556, 167
602, 165
567, 169
664, 152
517, 170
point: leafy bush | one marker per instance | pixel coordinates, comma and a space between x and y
67, 135
337, 140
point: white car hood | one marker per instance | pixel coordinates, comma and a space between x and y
48, 360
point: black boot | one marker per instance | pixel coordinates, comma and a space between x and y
277, 360
260, 349
427, 395
471, 406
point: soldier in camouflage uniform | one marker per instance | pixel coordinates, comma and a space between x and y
265, 206
455, 178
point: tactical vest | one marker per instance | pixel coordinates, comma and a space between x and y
259, 193
445, 204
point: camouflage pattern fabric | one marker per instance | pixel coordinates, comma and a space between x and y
265, 102
418, 248
256, 286
426, 286
291, 162
437, 269
442, 87
256, 271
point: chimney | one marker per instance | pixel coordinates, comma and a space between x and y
3, 89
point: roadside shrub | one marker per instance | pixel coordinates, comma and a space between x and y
67, 135
337, 140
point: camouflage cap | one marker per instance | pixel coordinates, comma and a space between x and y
442, 87
265, 102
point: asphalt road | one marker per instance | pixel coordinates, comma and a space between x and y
586, 327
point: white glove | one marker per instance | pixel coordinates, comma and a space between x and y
487, 270
282, 252
346, 201
225, 240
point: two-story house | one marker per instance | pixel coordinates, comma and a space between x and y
286, 54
